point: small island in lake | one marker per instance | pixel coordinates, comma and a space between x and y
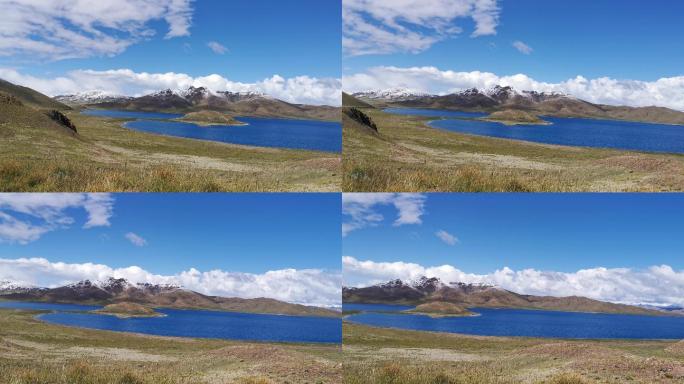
440, 309
514, 117
208, 118
127, 310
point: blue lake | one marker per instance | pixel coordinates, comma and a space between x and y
531, 323
614, 134
197, 323
265, 132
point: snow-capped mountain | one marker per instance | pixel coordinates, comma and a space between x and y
497, 93
113, 290
394, 94
91, 97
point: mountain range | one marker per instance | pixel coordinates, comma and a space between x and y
201, 98
505, 98
112, 291
428, 290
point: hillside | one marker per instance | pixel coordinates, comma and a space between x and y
351, 101
115, 291
428, 290
501, 98
30, 97
234, 104
16, 117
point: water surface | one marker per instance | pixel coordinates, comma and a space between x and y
615, 134
197, 323
533, 323
265, 132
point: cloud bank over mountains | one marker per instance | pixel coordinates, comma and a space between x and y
64, 29
302, 286
664, 92
659, 284
411, 26
299, 89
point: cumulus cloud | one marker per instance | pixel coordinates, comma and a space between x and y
658, 285
75, 29
25, 217
389, 26
522, 47
301, 286
665, 92
135, 239
218, 48
360, 209
446, 237
299, 89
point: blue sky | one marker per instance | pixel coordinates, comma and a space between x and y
263, 37
559, 232
290, 50
608, 52
251, 233
624, 40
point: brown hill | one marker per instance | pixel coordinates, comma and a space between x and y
121, 291
514, 116
538, 103
440, 308
207, 118
475, 295
200, 99
127, 310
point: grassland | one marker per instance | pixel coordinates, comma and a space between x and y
104, 156
407, 155
377, 355
34, 352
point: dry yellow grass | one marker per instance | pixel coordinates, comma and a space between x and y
408, 156
377, 355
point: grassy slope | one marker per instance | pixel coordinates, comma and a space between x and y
106, 157
35, 352
30, 97
407, 155
376, 355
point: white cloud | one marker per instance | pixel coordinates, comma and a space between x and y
135, 239
299, 89
25, 217
654, 285
666, 92
522, 47
302, 286
360, 209
389, 26
218, 48
77, 28
446, 237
